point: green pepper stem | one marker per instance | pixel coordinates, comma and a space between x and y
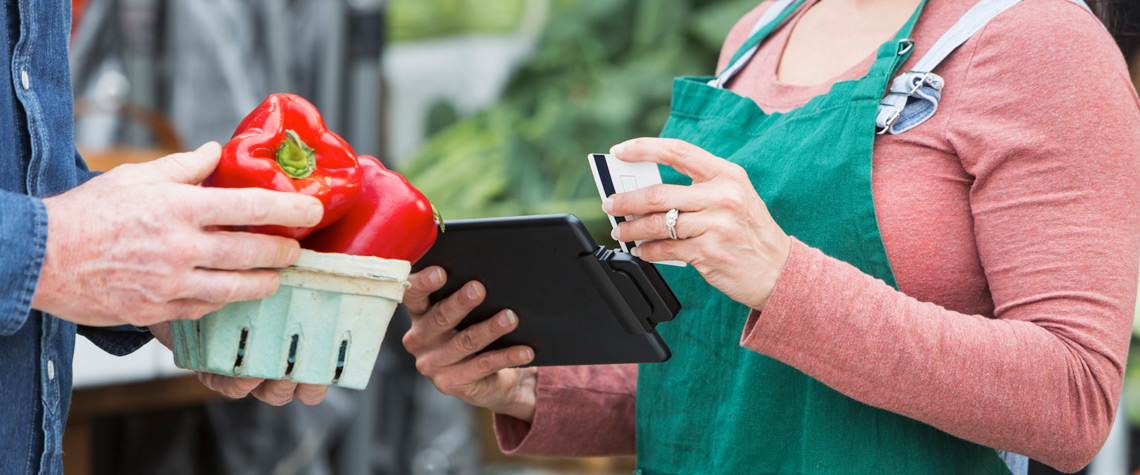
438, 217
296, 158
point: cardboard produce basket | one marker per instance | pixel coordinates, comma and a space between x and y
323, 326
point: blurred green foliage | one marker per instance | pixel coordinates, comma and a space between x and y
602, 73
410, 20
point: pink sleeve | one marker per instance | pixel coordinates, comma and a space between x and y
580, 411
1050, 130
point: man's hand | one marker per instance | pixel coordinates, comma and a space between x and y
135, 245
275, 392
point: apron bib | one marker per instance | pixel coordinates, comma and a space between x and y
717, 407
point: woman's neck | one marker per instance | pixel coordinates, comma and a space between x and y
873, 4
835, 35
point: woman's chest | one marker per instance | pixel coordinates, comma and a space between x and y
922, 205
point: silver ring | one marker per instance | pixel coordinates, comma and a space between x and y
671, 222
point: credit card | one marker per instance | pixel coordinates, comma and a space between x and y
615, 176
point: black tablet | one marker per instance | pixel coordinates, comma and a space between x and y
578, 303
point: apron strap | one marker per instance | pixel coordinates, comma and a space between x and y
914, 95
776, 12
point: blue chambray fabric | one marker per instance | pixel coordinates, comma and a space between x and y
39, 160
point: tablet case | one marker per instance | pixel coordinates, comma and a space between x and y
578, 303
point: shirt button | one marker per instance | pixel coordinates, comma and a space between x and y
24, 80
51, 370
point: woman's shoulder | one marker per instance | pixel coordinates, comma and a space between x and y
1056, 46
1052, 23
1058, 32
1034, 73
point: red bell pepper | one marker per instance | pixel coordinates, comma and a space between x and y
283, 145
391, 219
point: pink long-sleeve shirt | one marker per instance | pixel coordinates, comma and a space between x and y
1012, 223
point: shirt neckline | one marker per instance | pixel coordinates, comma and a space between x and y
769, 92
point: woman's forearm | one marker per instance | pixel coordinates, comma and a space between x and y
1043, 382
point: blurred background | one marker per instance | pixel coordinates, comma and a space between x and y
488, 106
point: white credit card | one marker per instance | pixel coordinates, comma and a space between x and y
615, 176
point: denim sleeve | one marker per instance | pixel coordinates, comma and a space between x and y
82, 174
23, 237
118, 341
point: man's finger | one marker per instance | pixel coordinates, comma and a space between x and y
445, 314
241, 251
188, 309
692, 161
276, 392
188, 167
236, 388
230, 387
254, 207
162, 333
310, 394
222, 287
491, 362
476, 337
424, 282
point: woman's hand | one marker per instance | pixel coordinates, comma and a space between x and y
448, 357
724, 229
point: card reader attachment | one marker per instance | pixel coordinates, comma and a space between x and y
632, 288
578, 303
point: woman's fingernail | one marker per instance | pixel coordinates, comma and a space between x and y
473, 291
436, 276
635, 251
511, 315
608, 205
525, 355
616, 234
617, 150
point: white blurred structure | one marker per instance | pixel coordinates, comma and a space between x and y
94, 367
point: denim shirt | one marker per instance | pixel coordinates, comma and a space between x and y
39, 160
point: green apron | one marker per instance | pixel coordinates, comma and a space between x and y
717, 407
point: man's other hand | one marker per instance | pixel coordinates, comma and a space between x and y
275, 392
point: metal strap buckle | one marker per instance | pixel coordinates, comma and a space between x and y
906, 44
890, 122
918, 83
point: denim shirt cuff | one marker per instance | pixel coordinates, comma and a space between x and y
119, 341
23, 237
